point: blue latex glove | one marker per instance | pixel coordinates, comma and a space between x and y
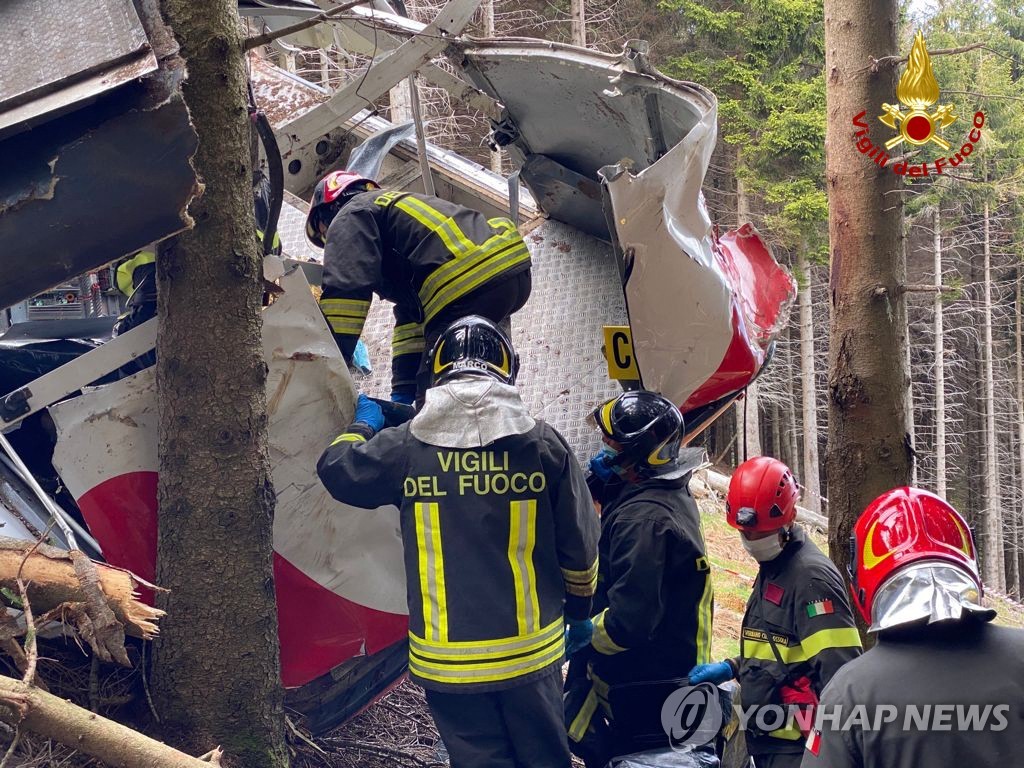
600, 463
369, 413
361, 358
405, 398
577, 636
716, 673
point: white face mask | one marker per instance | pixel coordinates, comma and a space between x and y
764, 549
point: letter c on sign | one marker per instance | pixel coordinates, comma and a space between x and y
622, 357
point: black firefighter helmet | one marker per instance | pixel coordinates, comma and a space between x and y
473, 345
647, 429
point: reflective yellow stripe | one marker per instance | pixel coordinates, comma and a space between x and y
789, 732
431, 567
502, 223
465, 261
486, 673
344, 307
349, 437
601, 640
487, 650
491, 267
407, 339
705, 620
606, 416
124, 272
277, 237
580, 583
521, 540
845, 637
345, 325
386, 198
443, 226
580, 723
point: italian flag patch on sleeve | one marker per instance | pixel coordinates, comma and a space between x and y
820, 608
814, 742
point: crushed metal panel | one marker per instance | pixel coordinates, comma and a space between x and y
702, 312
571, 111
338, 571
60, 217
88, 48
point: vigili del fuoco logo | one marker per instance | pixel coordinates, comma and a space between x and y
916, 125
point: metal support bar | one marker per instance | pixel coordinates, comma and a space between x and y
385, 74
95, 364
50, 504
421, 137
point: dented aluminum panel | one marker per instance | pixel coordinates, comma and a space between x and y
338, 570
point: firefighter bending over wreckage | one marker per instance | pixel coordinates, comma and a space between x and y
942, 687
435, 260
499, 534
798, 629
654, 597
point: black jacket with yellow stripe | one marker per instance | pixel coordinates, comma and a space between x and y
498, 541
654, 598
421, 252
798, 623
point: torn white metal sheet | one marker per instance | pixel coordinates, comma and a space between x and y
338, 571
702, 313
384, 74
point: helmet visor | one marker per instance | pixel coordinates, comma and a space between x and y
931, 590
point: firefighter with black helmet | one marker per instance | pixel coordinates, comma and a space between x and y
654, 601
437, 261
942, 686
500, 541
798, 629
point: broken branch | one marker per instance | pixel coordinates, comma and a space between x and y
895, 60
921, 288
268, 37
100, 599
112, 743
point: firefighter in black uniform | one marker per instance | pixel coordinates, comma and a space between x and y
798, 629
500, 543
654, 601
942, 687
435, 260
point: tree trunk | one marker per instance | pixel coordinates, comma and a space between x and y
812, 484
489, 32
792, 432
868, 448
579, 23
1018, 528
940, 366
992, 564
748, 422
216, 676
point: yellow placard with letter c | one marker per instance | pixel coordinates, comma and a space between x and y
618, 352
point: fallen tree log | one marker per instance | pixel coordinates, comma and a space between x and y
719, 483
28, 707
101, 601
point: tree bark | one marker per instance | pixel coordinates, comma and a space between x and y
939, 364
992, 563
117, 746
216, 675
811, 479
579, 23
792, 432
868, 449
1018, 528
748, 421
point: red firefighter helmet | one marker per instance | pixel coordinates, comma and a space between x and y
328, 198
762, 495
901, 527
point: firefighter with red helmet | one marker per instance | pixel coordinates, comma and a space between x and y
798, 629
654, 600
437, 261
500, 542
941, 687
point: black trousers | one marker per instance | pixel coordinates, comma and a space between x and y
781, 760
495, 302
521, 727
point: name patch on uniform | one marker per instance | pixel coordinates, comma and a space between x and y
773, 593
759, 635
820, 608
